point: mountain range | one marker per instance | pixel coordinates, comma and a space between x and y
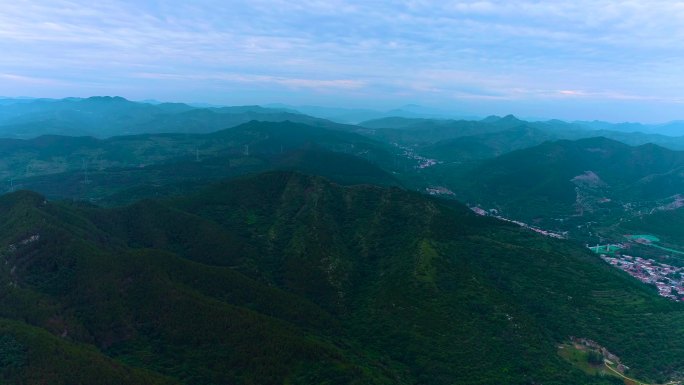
259, 245
106, 116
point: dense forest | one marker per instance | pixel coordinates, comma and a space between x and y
288, 278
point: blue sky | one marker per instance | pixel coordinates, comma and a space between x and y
610, 60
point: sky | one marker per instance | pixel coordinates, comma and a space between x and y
572, 60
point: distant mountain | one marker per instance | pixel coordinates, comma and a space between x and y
340, 115
358, 115
112, 116
488, 145
287, 278
412, 131
566, 178
674, 128
639, 138
8, 100
466, 140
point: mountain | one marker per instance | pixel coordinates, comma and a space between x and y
116, 186
358, 115
425, 133
665, 221
340, 115
674, 128
129, 313
489, 145
287, 278
413, 131
104, 117
639, 138
566, 178
56, 154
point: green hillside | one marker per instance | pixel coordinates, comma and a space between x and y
47, 155
287, 278
668, 224
149, 308
581, 177
115, 186
489, 145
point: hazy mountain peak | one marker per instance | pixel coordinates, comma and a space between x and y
107, 99
491, 119
511, 118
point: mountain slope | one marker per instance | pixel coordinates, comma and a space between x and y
490, 145
56, 154
150, 308
406, 289
288, 278
668, 224
575, 177
123, 169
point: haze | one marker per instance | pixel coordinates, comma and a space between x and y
608, 60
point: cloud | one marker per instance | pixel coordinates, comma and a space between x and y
490, 50
320, 84
572, 92
29, 80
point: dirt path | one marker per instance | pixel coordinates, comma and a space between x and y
633, 380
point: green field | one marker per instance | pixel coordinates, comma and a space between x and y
579, 358
605, 249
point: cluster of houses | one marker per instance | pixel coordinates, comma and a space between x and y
423, 162
668, 279
426, 162
439, 190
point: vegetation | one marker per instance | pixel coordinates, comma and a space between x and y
287, 278
322, 269
563, 178
668, 224
86, 168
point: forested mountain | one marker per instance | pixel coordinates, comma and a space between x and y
487, 145
115, 186
667, 222
564, 178
287, 278
53, 154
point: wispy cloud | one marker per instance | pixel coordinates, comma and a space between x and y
319, 84
30, 80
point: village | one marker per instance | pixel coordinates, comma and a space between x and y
423, 162
668, 279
